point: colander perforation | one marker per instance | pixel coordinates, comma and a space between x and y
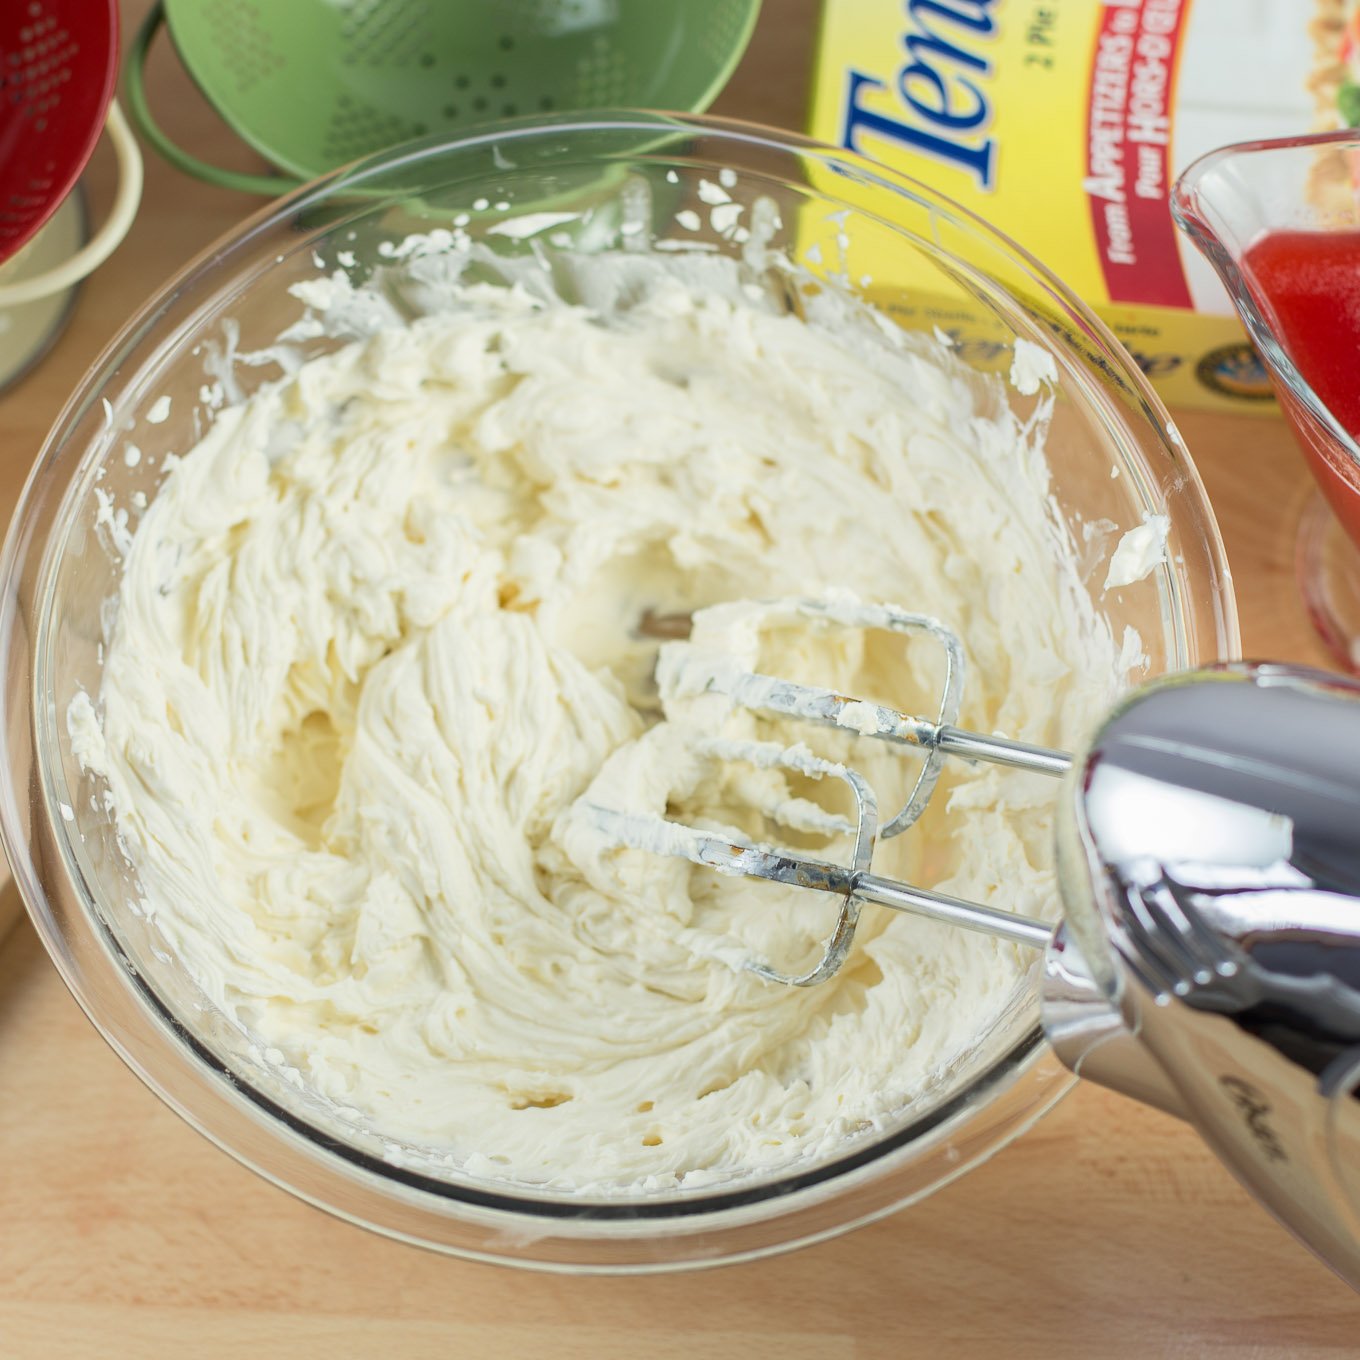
388, 32
49, 125
247, 46
404, 65
718, 35
602, 76
355, 126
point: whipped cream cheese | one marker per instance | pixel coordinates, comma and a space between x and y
378, 634
1139, 552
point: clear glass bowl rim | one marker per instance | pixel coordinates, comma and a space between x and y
134, 1036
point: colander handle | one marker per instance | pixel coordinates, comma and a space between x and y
134, 87
107, 239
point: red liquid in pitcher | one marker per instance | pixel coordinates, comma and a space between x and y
1308, 284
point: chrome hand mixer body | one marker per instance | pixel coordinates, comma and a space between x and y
1208, 845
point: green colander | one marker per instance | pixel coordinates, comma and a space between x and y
314, 84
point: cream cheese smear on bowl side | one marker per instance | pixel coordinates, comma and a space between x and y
379, 631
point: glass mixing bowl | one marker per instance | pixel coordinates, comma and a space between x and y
632, 179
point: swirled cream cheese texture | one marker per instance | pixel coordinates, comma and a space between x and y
377, 634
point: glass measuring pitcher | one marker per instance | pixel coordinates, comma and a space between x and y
1280, 223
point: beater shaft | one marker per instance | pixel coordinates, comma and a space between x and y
826, 708
954, 911
684, 671
731, 856
1020, 755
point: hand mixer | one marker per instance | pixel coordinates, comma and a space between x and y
1208, 850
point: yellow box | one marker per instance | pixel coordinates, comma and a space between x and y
1063, 123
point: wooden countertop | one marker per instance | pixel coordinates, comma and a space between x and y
1108, 1231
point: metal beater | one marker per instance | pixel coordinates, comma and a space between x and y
1208, 848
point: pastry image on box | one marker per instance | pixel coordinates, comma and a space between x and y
1335, 81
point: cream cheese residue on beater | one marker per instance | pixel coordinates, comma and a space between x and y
377, 634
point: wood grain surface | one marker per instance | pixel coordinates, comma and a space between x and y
1108, 1231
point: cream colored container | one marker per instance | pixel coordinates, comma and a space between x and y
28, 329
37, 285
